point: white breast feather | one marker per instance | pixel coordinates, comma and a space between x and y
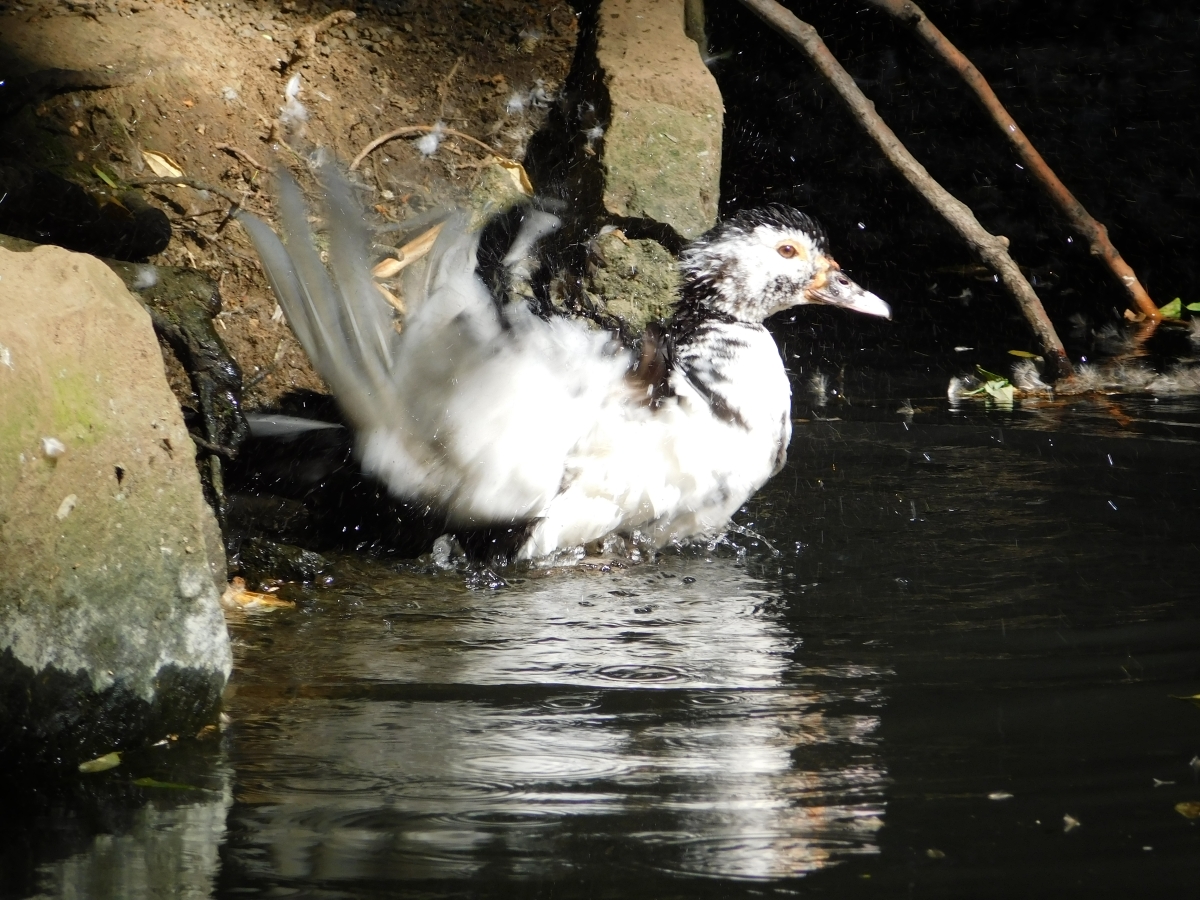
677, 471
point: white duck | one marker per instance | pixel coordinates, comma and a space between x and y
549, 428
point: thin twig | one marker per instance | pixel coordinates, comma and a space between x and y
211, 447
444, 87
408, 130
242, 155
1095, 232
193, 184
991, 248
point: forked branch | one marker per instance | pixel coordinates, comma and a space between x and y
1081, 220
993, 249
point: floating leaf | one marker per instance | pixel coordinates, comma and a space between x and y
237, 597
105, 177
1193, 307
1024, 354
162, 165
165, 785
1172, 310
101, 763
1189, 809
1002, 393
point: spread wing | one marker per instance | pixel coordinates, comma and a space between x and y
476, 403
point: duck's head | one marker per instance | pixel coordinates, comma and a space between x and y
765, 260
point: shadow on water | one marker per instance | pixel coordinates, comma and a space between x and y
972, 636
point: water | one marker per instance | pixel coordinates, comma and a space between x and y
971, 635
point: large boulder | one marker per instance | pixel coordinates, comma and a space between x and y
111, 633
662, 151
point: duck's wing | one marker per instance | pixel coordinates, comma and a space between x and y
475, 404
342, 322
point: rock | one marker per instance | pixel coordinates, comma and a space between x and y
111, 634
266, 559
661, 152
499, 187
636, 280
182, 304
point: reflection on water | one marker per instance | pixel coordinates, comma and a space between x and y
969, 604
168, 850
661, 714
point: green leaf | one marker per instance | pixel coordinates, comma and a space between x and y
990, 376
1001, 393
1172, 310
101, 763
105, 177
166, 785
1024, 354
1193, 307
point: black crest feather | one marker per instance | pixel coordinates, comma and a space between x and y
774, 215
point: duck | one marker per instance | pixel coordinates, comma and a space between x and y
547, 428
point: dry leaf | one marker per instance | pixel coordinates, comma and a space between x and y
519, 176
1189, 809
237, 597
162, 165
419, 246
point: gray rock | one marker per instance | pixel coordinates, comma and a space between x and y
661, 152
111, 633
263, 558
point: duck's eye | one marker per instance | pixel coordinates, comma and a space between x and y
788, 251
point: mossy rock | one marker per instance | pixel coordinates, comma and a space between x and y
636, 281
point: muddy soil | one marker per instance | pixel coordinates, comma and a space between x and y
202, 83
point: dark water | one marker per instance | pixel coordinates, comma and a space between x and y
975, 627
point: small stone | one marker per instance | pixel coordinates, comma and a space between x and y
53, 448
64, 508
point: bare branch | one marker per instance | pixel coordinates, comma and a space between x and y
992, 249
1095, 232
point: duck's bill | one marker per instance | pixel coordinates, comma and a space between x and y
838, 290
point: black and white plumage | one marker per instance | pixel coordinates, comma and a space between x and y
501, 418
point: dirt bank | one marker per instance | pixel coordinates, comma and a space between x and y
202, 84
